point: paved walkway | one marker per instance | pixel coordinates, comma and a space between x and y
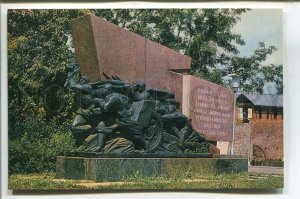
266, 169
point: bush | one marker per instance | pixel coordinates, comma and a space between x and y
37, 148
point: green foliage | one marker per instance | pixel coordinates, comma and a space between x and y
36, 149
254, 74
40, 108
274, 73
214, 76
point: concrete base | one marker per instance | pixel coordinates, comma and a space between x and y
115, 169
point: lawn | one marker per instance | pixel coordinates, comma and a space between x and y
47, 181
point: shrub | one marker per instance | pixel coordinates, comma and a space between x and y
38, 145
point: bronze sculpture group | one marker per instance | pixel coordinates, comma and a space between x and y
116, 117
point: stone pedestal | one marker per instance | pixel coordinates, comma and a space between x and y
116, 169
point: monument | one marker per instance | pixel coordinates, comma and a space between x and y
102, 47
138, 110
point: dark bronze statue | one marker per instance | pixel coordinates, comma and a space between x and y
116, 117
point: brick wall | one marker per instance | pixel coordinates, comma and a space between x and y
266, 142
267, 135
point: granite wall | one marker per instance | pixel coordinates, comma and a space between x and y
242, 141
103, 47
116, 169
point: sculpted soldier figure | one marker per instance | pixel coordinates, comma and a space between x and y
116, 117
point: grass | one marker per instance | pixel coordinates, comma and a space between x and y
47, 181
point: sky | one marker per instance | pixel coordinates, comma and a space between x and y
264, 25
261, 25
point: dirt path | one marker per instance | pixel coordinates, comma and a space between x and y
266, 170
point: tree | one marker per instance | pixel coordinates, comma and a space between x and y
253, 73
274, 74
40, 109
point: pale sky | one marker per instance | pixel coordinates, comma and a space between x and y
261, 25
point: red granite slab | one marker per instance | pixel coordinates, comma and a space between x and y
210, 109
